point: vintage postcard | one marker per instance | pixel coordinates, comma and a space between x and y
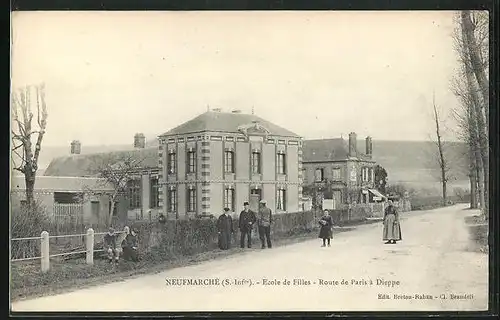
249, 161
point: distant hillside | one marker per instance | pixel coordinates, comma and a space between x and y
415, 162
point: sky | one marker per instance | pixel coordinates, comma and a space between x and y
109, 75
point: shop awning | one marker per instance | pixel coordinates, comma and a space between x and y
377, 193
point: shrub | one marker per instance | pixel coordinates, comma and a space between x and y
27, 223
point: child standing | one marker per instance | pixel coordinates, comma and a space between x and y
326, 232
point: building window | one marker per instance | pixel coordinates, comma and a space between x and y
134, 193
336, 174
256, 193
281, 163
68, 197
366, 174
229, 199
229, 161
191, 162
171, 163
154, 199
172, 200
281, 200
319, 174
256, 162
191, 200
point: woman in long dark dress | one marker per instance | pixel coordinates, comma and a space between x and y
326, 232
225, 230
129, 246
392, 228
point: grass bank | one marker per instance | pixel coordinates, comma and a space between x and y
27, 280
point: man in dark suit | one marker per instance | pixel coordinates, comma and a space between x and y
247, 219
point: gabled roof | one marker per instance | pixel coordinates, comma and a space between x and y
83, 164
226, 122
324, 150
68, 184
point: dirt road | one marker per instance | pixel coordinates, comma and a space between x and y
421, 273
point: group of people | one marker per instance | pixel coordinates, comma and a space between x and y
391, 231
246, 222
128, 246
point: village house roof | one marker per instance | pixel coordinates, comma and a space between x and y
326, 150
229, 122
84, 164
62, 184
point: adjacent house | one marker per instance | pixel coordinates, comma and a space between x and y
222, 159
66, 199
142, 198
339, 165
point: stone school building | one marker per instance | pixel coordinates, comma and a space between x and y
215, 160
222, 159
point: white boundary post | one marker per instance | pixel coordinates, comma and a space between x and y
90, 246
44, 251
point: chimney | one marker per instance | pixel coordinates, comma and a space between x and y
369, 146
76, 147
353, 150
236, 111
139, 141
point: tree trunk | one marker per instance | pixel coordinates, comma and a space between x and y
443, 177
473, 180
29, 180
482, 198
111, 210
442, 160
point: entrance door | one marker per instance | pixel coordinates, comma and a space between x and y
255, 197
337, 199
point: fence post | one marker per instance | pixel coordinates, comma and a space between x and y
44, 251
90, 246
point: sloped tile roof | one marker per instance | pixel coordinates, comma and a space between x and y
82, 165
226, 122
324, 150
44, 183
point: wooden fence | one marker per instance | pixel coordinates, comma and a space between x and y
68, 213
44, 246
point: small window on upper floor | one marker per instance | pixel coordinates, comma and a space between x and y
171, 163
336, 176
256, 168
191, 162
319, 175
228, 161
281, 163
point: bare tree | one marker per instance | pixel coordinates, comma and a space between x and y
116, 171
473, 28
441, 156
471, 87
27, 135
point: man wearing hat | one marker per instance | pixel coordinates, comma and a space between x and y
247, 219
110, 245
225, 229
264, 222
